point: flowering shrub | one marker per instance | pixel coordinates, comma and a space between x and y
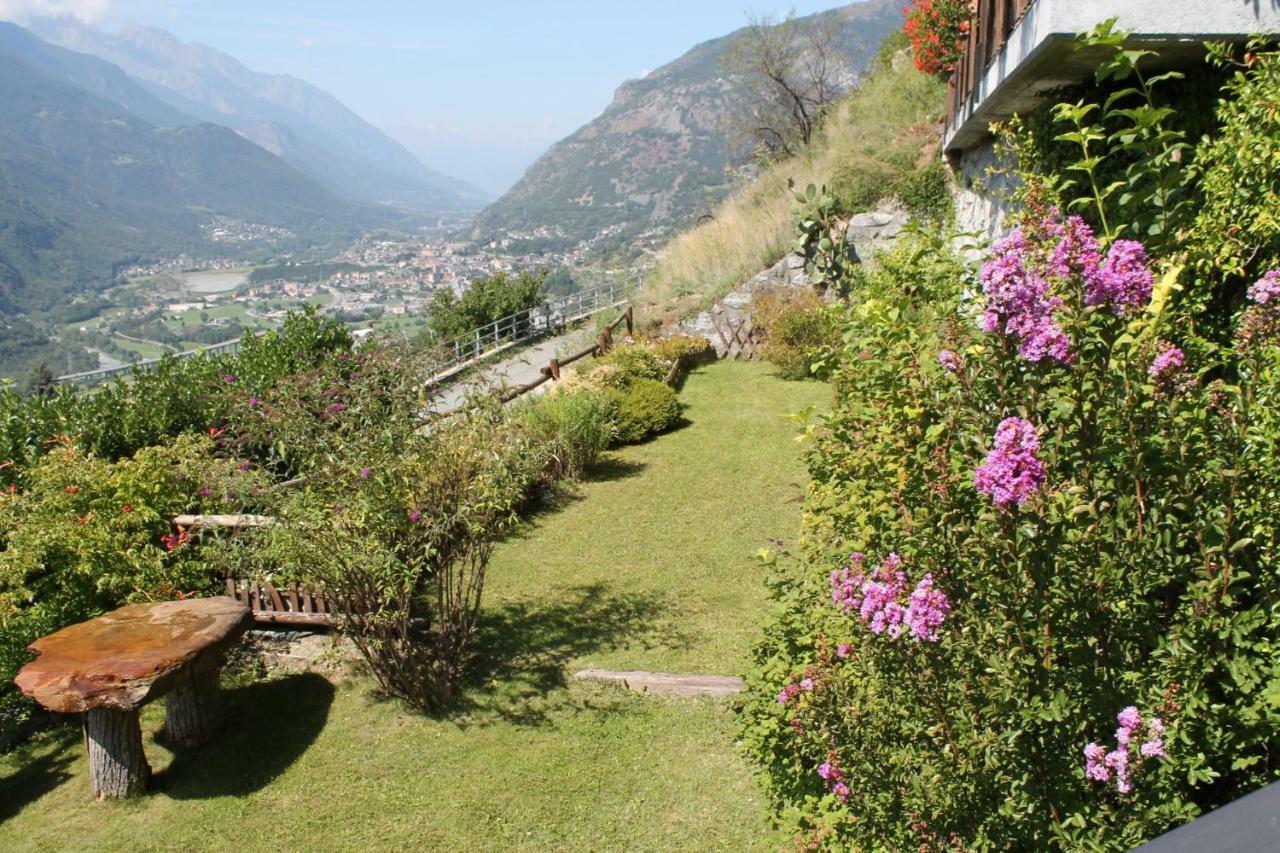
797, 328
84, 535
938, 30
1107, 524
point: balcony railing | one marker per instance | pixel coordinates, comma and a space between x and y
993, 21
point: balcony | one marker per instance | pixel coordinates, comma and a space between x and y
1020, 50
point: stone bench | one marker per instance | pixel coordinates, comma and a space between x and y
109, 667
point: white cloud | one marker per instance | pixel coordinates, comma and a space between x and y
23, 10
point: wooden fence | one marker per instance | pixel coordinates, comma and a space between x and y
741, 339
992, 23
293, 605
603, 343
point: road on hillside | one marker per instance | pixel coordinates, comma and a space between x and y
519, 369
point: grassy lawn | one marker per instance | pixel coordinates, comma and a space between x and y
648, 565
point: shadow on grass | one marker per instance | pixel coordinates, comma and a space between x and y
523, 649
269, 726
39, 774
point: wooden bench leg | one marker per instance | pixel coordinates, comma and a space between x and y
117, 765
193, 708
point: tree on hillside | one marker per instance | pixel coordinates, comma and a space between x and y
791, 71
487, 300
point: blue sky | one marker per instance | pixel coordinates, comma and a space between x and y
506, 76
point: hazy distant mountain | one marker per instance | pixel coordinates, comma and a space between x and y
493, 164
657, 157
87, 185
302, 124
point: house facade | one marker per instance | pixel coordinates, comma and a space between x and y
1020, 51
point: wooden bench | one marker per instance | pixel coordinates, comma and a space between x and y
109, 667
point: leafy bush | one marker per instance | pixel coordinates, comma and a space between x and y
625, 364
172, 397
693, 350
927, 194
402, 531
1062, 518
487, 300
86, 535
574, 427
798, 329
642, 409
861, 182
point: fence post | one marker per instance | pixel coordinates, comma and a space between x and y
554, 366
631, 329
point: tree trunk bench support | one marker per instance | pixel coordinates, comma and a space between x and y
109, 667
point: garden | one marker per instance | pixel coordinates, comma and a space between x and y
1034, 601
462, 724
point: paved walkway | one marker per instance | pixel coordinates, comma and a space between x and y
519, 369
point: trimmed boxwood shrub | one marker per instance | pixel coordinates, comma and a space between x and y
643, 408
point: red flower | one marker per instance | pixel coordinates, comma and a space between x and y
126, 509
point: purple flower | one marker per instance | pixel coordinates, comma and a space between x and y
1019, 303
415, 516
229, 378
1153, 748
343, 357
337, 408
253, 402
1095, 767
1124, 282
1012, 472
881, 602
927, 610
1170, 359
1266, 288
246, 466
1077, 253
950, 361
841, 790
806, 684
1121, 762
205, 492
365, 473
842, 651
825, 771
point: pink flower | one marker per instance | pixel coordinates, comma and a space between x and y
842, 651
1124, 282
1012, 472
1266, 288
949, 361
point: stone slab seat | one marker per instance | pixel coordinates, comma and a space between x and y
108, 667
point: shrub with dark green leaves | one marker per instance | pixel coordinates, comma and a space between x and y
156, 404
1058, 626
642, 409
85, 535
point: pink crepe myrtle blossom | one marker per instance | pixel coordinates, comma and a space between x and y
1124, 282
1012, 472
1266, 289
1121, 764
880, 599
1019, 304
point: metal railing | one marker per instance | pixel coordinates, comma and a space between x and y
101, 373
466, 350
460, 353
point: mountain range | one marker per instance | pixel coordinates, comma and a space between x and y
303, 125
659, 156
89, 183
